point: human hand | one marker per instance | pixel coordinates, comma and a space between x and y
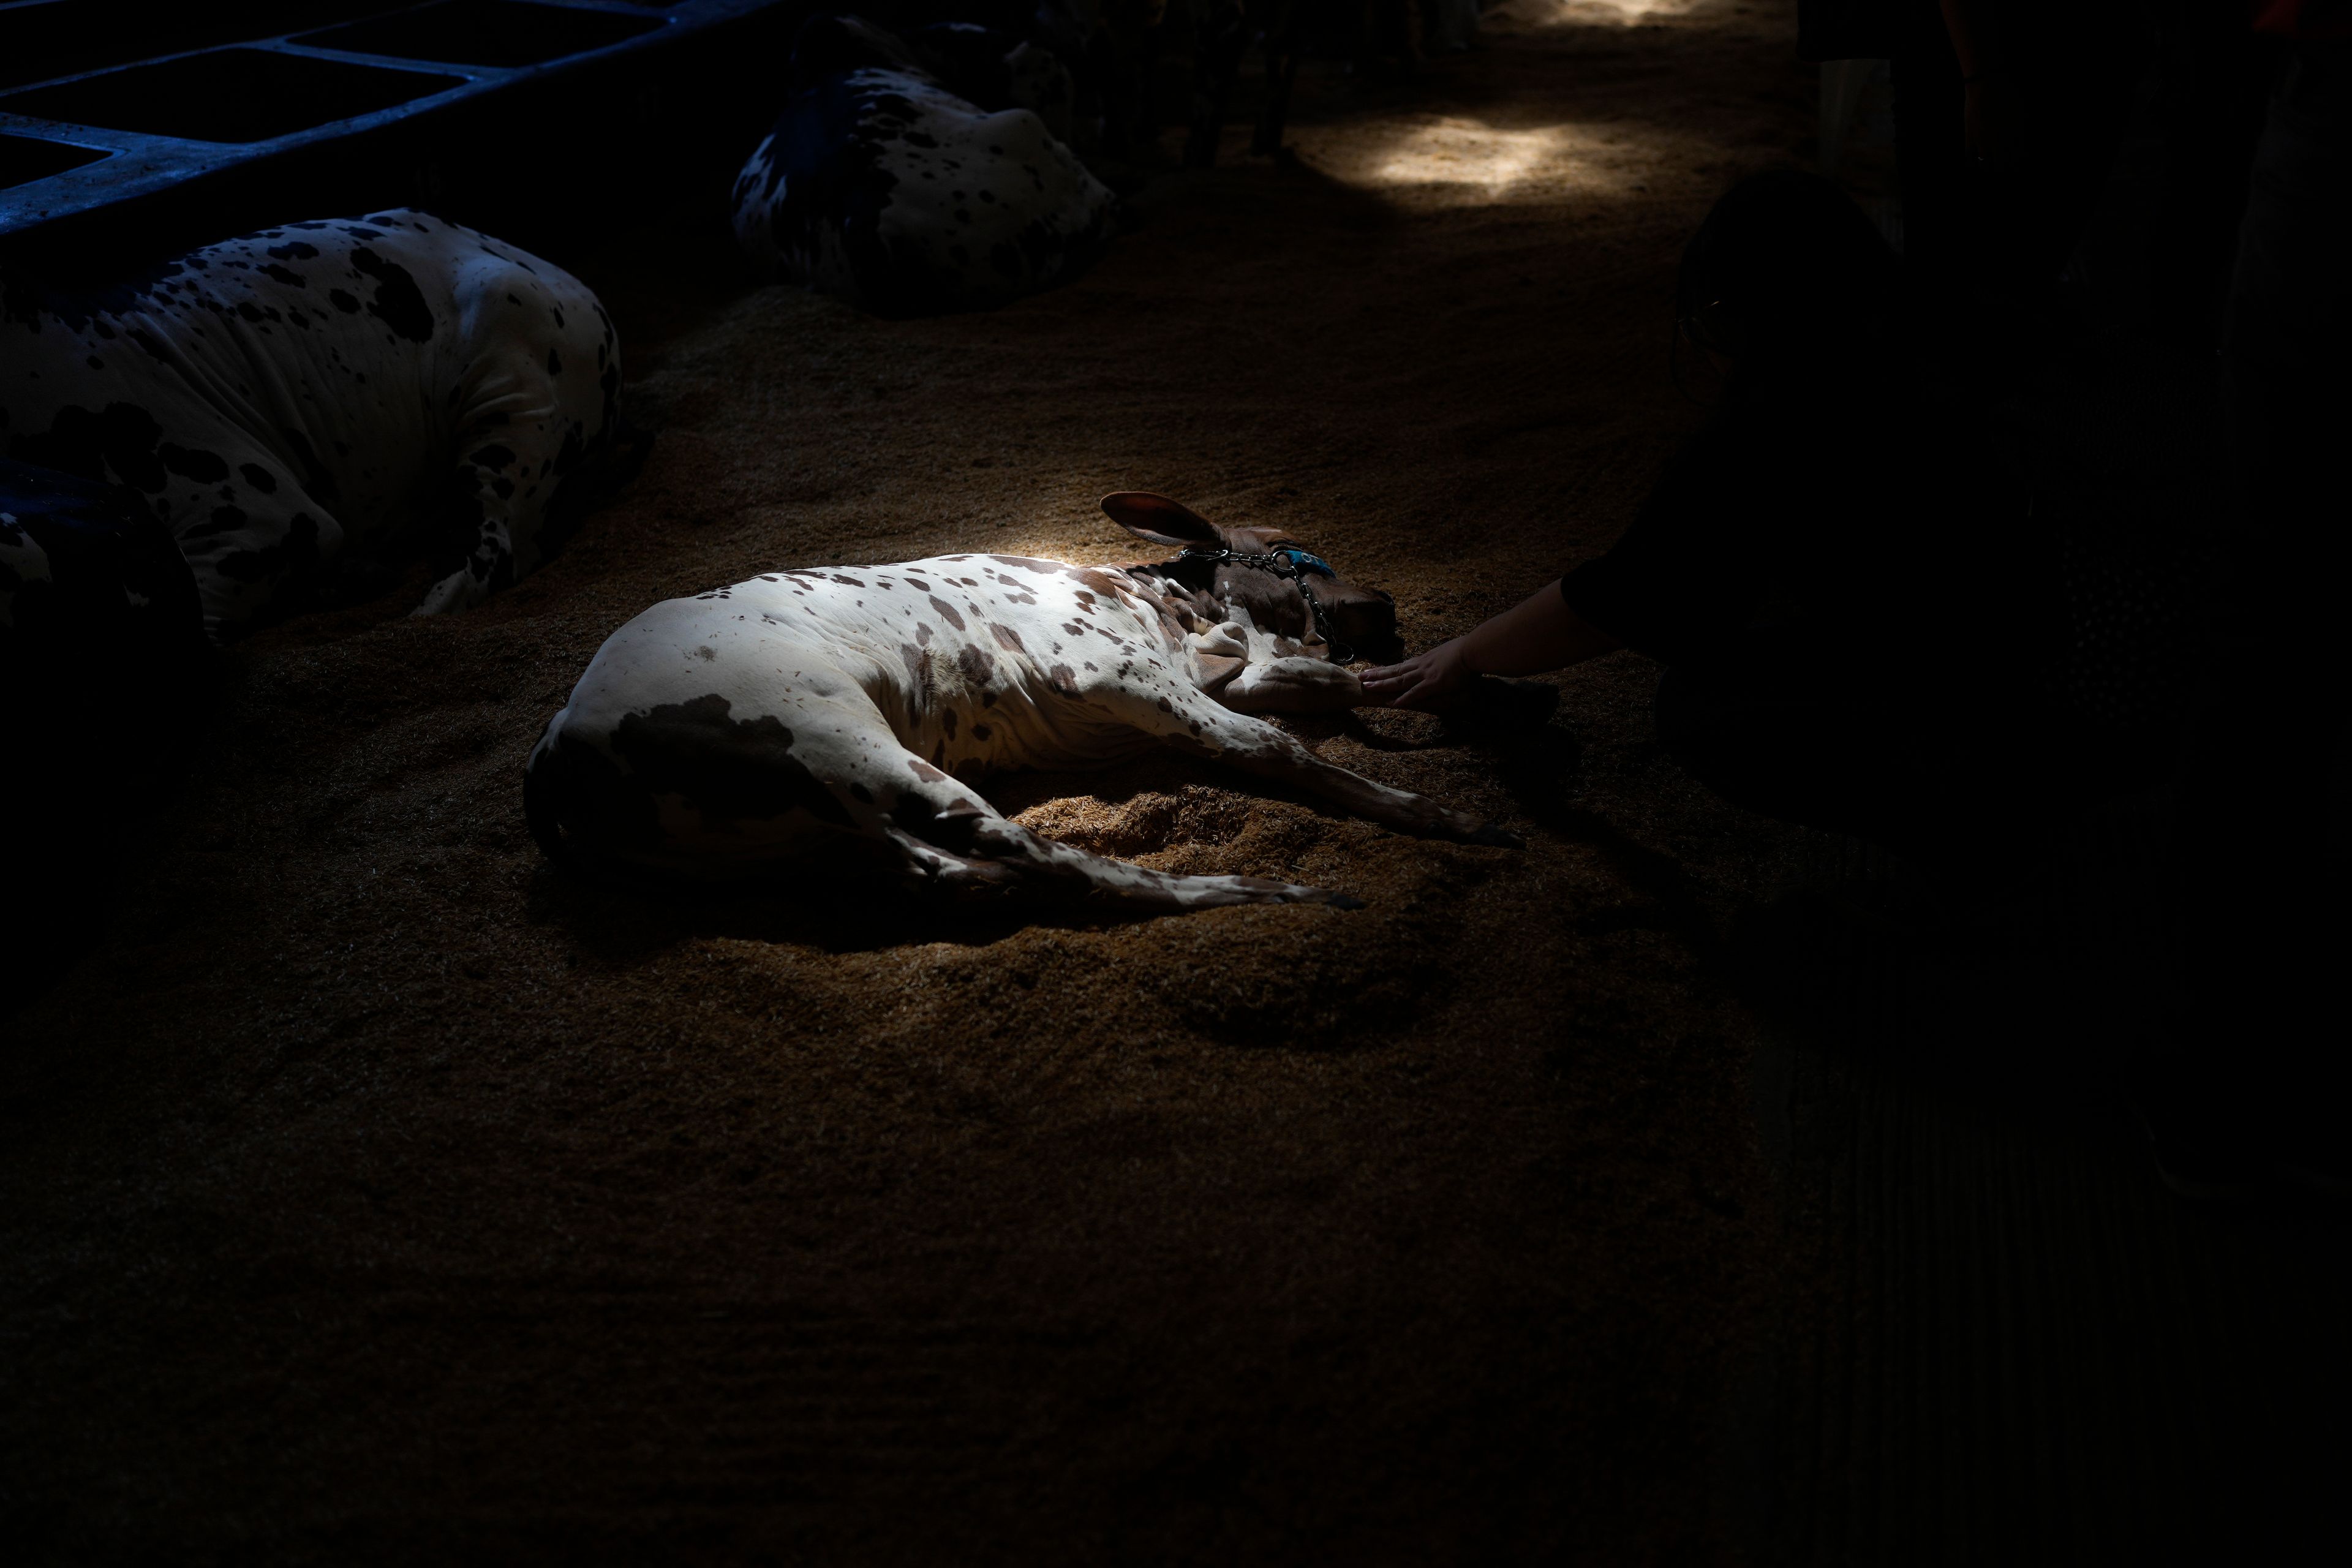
1429, 682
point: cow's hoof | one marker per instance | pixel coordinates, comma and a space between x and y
1497, 836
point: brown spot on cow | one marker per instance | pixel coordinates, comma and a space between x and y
1164, 708
1006, 637
1064, 680
948, 612
918, 585
730, 771
948, 721
982, 732
1106, 586
925, 771
923, 634
976, 663
850, 581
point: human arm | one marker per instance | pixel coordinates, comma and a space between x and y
1540, 633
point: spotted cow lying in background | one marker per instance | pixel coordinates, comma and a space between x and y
803, 719
320, 395
881, 185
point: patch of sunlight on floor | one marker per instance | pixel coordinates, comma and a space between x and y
1462, 152
1436, 160
1592, 13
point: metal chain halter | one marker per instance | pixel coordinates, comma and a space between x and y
1294, 566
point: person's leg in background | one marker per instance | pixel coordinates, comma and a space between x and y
2256, 1075
2209, 100
2075, 65
1987, 228
1940, 219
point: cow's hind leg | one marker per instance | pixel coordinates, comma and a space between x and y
258, 545
957, 841
537, 410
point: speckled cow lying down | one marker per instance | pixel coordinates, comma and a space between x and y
881, 185
781, 727
321, 394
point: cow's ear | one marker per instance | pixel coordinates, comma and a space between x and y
1159, 520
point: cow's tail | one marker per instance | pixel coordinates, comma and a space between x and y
540, 805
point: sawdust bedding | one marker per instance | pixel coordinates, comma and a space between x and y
374, 1188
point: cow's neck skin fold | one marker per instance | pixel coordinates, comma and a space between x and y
1204, 590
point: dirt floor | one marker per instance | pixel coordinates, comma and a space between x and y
374, 1192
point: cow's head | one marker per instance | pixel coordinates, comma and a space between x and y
1263, 572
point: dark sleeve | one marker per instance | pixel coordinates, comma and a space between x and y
1685, 572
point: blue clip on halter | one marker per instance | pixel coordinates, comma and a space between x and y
1292, 564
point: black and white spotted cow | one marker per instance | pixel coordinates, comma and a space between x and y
881, 185
322, 396
805, 719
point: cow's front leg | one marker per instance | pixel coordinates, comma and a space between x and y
1293, 686
1196, 724
953, 838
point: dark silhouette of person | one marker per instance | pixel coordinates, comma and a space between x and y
1822, 567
